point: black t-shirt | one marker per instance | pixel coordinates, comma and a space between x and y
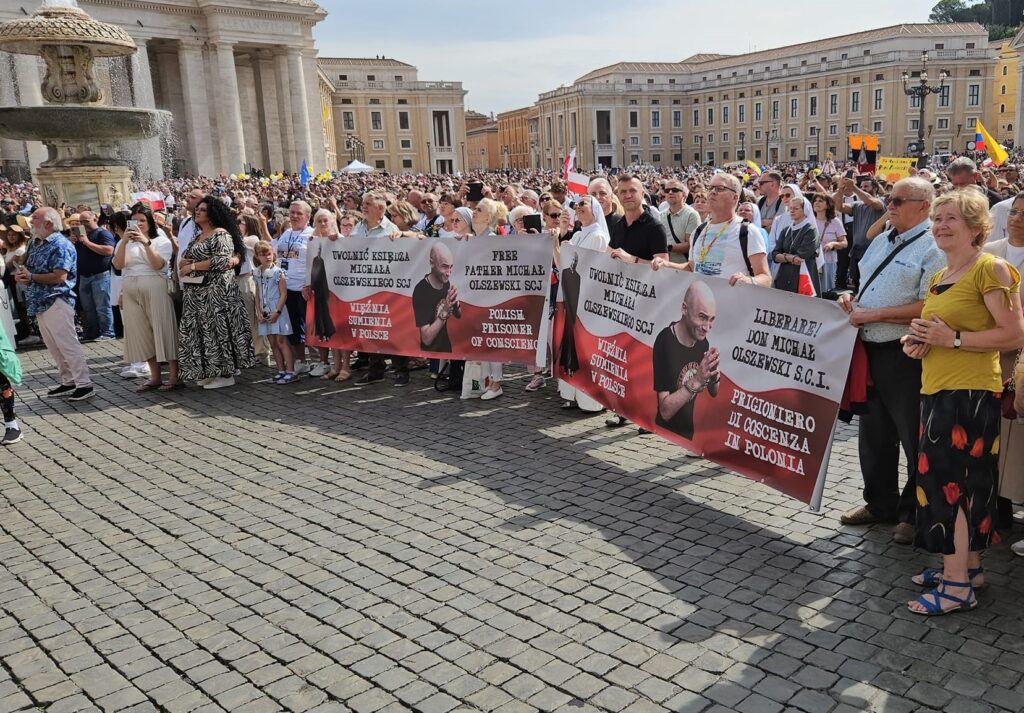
644, 238
424, 305
89, 263
670, 360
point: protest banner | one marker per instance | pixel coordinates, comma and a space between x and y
749, 377
893, 168
484, 298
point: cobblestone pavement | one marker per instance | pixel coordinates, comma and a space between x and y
334, 548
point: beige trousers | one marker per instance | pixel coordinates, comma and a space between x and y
57, 327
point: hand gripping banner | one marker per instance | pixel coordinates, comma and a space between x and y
749, 377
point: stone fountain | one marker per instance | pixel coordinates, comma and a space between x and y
82, 135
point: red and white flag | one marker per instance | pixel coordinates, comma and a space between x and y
577, 183
569, 164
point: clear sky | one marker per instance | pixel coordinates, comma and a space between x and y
506, 53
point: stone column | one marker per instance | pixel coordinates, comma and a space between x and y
284, 109
251, 127
171, 98
30, 93
12, 152
150, 166
316, 132
229, 109
266, 93
197, 110
300, 109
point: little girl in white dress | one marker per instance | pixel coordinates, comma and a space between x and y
271, 295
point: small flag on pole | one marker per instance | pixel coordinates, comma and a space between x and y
569, 164
577, 183
304, 174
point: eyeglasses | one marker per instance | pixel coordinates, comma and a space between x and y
720, 189
766, 182
426, 200
673, 190
787, 196
899, 201
1015, 213
553, 216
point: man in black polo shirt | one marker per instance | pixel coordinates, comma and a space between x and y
640, 236
95, 249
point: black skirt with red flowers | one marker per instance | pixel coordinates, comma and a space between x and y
958, 466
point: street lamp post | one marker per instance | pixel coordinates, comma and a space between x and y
679, 142
464, 166
817, 141
594, 143
743, 146
623, 153
700, 140
428, 158
921, 90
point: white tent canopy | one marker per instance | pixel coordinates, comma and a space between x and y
357, 167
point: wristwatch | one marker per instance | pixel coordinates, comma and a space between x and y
956, 340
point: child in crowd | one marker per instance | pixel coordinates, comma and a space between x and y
10, 374
271, 295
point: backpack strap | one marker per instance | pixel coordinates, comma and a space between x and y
743, 247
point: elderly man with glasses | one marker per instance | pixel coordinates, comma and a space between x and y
897, 268
430, 222
680, 220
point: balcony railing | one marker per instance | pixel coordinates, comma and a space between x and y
398, 86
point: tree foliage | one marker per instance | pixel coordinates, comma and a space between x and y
1001, 17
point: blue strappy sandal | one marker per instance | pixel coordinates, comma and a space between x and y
933, 578
933, 607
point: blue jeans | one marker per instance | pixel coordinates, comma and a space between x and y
94, 291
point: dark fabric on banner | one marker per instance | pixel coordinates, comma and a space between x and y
674, 365
323, 325
568, 359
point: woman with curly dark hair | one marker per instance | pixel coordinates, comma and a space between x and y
215, 339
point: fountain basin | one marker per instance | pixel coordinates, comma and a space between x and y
80, 122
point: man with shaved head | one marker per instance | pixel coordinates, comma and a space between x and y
435, 301
684, 363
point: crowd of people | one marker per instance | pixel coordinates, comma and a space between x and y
215, 278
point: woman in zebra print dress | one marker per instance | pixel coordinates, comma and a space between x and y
214, 336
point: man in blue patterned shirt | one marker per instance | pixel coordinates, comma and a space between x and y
49, 274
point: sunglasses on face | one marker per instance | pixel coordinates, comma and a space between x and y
554, 216
673, 190
898, 202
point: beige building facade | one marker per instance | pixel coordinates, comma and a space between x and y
787, 104
484, 151
514, 138
389, 119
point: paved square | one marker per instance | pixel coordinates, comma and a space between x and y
329, 548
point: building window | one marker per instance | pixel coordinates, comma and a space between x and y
655, 119
371, 77
792, 133
398, 78
380, 164
375, 121
348, 120
725, 137
775, 109
346, 100
406, 163
914, 124
403, 101
794, 105
696, 117
915, 101
854, 102
879, 96
833, 104
972, 123
792, 153
632, 102
403, 120
757, 134
1002, 108
634, 140
876, 127
655, 158
344, 77
970, 45
655, 141
378, 144
725, 115
812, 106
854, 127
944, 96
711, 138
711, 116
655, 102
741, 113
973, 94
650, 81
375, 101
406, 143
1002, 89
629, 80
942, 123
757, 111
634, 119
677, 119
833, 129
974, 73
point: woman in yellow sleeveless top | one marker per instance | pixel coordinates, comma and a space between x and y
971, 312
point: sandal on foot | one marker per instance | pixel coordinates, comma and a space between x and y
933, 578
343, 376
176, 386
933, 606
330, 375
148, 387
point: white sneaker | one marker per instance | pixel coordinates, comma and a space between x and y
320, 369
491, 394
1018, 548
301, 367
220, 382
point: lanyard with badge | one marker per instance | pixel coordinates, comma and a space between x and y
704, 248
287, 252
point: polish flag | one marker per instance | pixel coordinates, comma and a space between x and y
569, 164
577, 183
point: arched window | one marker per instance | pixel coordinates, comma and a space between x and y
1002, 89
1002, 108
1009, 127
1004, 70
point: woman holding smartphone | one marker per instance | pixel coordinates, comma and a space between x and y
143, 255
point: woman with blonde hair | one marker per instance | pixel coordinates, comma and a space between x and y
972, 312
602, 190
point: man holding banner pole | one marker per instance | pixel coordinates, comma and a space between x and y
896, 269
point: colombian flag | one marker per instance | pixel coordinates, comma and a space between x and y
983, 141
